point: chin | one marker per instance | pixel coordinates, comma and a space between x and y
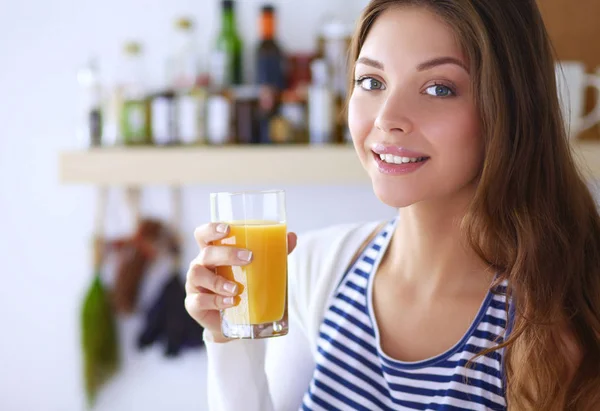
395, 195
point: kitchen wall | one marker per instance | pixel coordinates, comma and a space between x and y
45, 227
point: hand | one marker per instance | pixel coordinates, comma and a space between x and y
208, 292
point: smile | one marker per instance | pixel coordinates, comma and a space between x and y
390, 164
392, 159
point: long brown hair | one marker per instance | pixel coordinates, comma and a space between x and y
533, 219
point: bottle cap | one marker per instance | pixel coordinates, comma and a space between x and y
184, 23
133, 47
268, 8
228, 4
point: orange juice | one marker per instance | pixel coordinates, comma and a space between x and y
262, 283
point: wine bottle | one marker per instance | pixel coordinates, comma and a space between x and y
270, 71
135, 109
226, 59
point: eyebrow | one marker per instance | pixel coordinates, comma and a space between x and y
427, 65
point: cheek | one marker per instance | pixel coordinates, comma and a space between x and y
361, 117
454, 134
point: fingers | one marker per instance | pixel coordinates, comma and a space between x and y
200, 277
292, 241
207, 233
216, 256
209, 319
203, 301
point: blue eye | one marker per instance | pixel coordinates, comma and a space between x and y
439, 90
369, 83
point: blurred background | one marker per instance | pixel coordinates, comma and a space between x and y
111, 106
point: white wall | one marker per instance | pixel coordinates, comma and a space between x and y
45, 227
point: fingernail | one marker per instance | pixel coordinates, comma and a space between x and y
222, 228
230, 287
244, 255
227, 300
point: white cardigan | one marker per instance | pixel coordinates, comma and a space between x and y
274, 374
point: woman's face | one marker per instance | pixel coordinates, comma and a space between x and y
412, 114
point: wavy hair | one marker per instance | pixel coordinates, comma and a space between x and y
533, 218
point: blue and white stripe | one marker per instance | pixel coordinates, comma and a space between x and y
352, 372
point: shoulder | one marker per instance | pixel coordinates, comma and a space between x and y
328, 247
333, 238
318, 261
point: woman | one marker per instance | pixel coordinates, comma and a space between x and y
484, 292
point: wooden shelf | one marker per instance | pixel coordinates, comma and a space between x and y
213, 165
237, 165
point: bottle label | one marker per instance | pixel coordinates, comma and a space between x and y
219, 69
164, 121
191, 118
218, 120
135, 128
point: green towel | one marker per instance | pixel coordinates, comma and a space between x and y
99, 339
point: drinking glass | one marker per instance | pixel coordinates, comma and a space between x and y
257, 222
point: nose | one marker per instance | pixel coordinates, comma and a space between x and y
393, 116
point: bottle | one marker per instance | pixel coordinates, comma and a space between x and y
188, 83
270, 72
91, 113
226, 59
164, 113
135, 110
184, 60
321, 105
191, 112
334, 43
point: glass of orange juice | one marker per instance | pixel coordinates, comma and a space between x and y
257, 222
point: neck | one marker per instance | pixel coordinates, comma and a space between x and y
429, 251
268, 26
228, 21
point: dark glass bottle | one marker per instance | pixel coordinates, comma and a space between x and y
226, 60
270, 71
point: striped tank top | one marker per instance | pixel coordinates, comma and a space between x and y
353, 373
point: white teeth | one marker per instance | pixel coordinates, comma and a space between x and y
392, 159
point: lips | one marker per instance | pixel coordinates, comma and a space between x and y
395, 160
397, 151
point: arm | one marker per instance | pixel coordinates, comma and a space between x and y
239, 379
274, 374
270, 374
